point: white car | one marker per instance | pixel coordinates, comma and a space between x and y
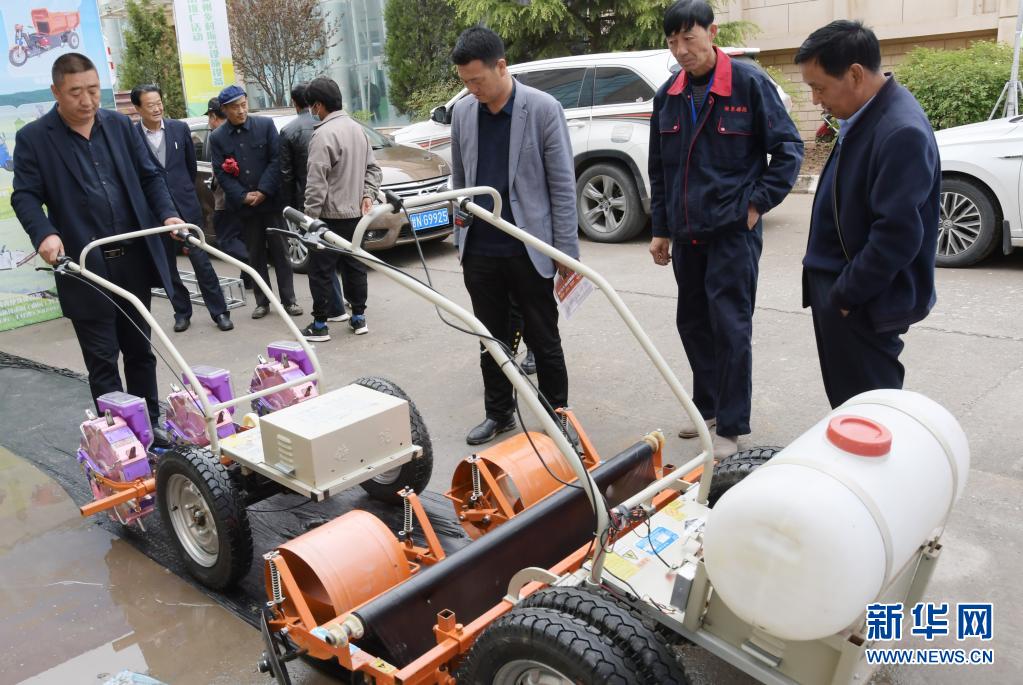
608, 99
980, 190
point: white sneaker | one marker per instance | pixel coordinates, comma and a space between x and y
343, 316
725, 446
689, 428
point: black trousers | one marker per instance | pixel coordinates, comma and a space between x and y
492, 282
126, 334
209, 283
259, 243
323, 266
854, 357
229, 235
717, 290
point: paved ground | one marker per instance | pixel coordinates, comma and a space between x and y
968, 355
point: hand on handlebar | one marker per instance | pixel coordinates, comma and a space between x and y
51, 249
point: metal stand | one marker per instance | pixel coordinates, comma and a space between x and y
233, 289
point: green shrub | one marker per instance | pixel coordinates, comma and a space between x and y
957, 87
421, 102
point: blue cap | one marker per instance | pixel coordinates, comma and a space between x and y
230, 94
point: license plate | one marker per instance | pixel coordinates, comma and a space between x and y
433, 218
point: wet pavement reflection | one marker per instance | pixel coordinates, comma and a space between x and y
81, 605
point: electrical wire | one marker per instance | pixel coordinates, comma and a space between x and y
504, 346
132, 321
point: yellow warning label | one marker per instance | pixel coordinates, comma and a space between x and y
675, 510
621, 567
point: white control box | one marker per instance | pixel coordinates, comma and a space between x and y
346, 434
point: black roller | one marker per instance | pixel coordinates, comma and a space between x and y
475, 578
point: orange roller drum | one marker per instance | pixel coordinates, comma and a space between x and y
521, 477
342, 564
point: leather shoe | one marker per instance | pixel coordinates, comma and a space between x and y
528, 364
260, 311
181, 323
160, 439
224, 322
488, 430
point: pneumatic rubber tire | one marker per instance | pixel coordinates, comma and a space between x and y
414, 473
205, 516
647, 650
610, 186
969, 225
730, 471
530, 642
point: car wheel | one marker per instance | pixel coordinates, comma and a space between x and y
73, 41
968, 223
298, 256
608, 204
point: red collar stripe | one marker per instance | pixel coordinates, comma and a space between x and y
722, 77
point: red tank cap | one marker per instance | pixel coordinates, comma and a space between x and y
860, 436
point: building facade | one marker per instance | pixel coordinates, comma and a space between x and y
356, 61
901, 25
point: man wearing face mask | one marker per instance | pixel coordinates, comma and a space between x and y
868, 273
712, 128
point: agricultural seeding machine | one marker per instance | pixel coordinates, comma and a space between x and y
581, 569
585, 570
297, 438
51, 30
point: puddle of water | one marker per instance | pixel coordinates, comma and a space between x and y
81, 605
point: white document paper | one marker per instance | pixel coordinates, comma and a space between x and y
570, 293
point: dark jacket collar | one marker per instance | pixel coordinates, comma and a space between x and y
509, 106
722, 84
873, 109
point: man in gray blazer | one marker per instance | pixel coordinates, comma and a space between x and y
513, 138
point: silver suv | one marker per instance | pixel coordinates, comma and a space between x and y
608, 99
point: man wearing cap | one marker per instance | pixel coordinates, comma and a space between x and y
245, 155
225, 224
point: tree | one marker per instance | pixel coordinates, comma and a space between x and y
420, 35
272, 40
151, 55
553, 28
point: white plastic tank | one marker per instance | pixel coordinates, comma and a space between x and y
805, 542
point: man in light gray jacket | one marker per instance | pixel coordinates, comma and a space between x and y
513, 138
342, 179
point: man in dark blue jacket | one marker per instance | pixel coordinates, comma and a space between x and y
868, 273
170, 145
712, 128
91, 171
246, 160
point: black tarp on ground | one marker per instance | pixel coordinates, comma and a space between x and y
40, 410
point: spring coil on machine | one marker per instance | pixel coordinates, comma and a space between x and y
477, 486
275, 578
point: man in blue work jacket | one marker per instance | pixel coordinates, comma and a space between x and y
246, 161
868, 273
712, 128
